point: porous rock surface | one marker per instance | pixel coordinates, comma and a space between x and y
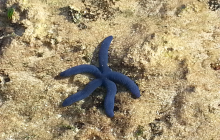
169, 48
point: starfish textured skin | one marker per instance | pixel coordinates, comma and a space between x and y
104, 77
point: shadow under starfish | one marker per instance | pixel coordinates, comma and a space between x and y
104, 77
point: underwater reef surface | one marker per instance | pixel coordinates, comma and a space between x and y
169, 48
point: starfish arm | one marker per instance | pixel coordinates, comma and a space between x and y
103, 54
110, 97
81, 69
83, 93
124, 80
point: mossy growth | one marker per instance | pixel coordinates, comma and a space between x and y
139, 131
68, 127
10, 13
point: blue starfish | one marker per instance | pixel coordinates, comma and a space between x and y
105, 77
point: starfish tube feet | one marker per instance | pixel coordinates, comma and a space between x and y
126, 81
81, 69
83, 93
110, 97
